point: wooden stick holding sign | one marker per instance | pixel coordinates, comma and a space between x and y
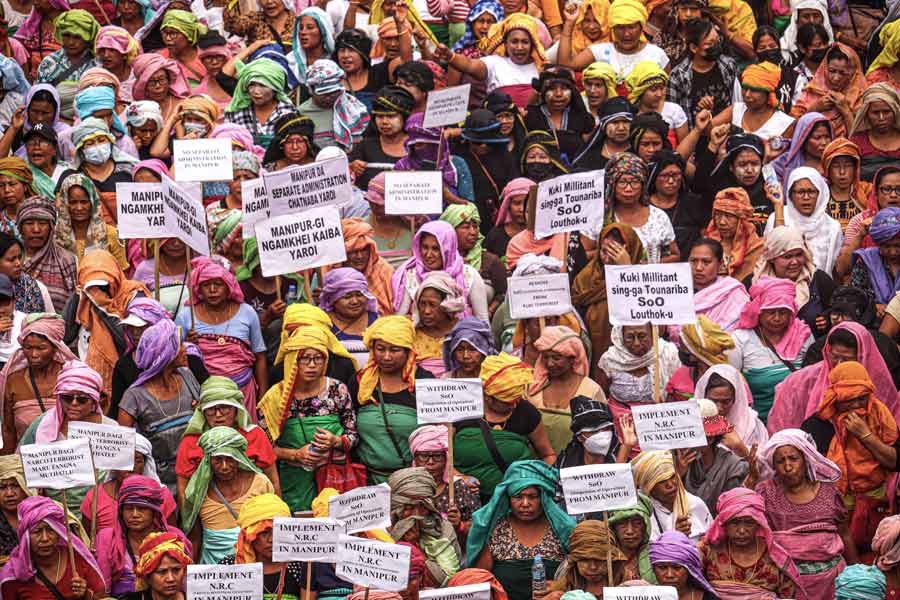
609, 546
278, 287
68, 534
450, 481
656, 383
187, 250
306, 539
156, 247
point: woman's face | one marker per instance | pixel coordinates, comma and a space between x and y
41, 152
629, 189
389, 125
146, 176
467, 236
842, 172
746, 167
431, 314
627, 38
312, 365
671, 574
818, 139
593, 570
537, 154
665, 491
359, 258
790, 264
468, 357
741, 531
157, 88
754, 99
430, 251
41, 111
11, 494
38, 350
482, 24
12, 191
507, 122
234, 186
590, 26
111, 60
790, 465
175, 41
435, 461
272, 8
214, 292
128, 9
350, 60
136, 517
73, 45
213, 63
630, 533
79, 205
838, 74
173, 248
595, 91
809, 15
143, 136
518, 47
722, 396
167, 579
517, 208
775, 320
686, 12
726, 224
888, 193
224, 468
804, 196
704, 266
260, 95
76, 406
220, 415
766, 42
262, 543
637, 339
654, 96
890, 250
557, 96
649, 144
526, 505
11, 262
839, 353
35, 234
352, 306
43, 541
880, 116
296, 148
558, 365
389, 358
310, 36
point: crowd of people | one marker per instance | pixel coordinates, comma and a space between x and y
758, 141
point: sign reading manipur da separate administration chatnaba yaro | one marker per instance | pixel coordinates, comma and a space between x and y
448, 400
112, 446
322, 183
594, 488
225, 582
668, 425
475, 591
362, 509
539, 296
58, 465
373, 563
312, 540
662, 294
302, 240
572, 202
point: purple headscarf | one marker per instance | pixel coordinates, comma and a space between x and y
453, 260
342, 281
158, 347
32, 25
796, 156
818, 468
885, 226
472, 330
674, 547
413, 161
148, 309
58, 126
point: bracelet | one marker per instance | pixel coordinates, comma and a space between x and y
865, 436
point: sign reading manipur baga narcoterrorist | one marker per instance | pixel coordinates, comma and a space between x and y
225, 582
539, 296
202, 160
448, 400
371, 563
662, 294
322, 183
141, 211
413, 193
641, 592
572, 202
475, 591
669, 425
58, 465
312, 540
362, 509
593, 488
111, 445
448, 106
302, 240
254, 205
185, 216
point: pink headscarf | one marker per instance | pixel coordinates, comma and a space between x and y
886, 543
75, 377
818, 468
118, 39
430, 438
517, 187
453, 260
146, 66
809, 383
563, 340
770, 293
745, 420
32, 24
151, 164
454, 301
240, 135
205, 269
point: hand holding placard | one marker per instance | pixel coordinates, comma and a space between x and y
448, 106
362, 509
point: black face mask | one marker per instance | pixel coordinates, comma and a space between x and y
817, 55
713, 52
429, 165
773, 56
538, 171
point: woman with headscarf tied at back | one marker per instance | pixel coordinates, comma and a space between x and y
674, 508
841, 164
340, 119
438, 303
67, 64
731, 225
886, 546
835, 89
364, 257
45, 260
80, 227
875, 269
703, 345
676, 562
13, 490
159, 79
876, 128
860, 582
161, 567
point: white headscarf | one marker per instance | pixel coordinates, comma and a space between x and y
789, 39
745, 420
143, 445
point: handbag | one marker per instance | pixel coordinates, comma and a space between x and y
341, 476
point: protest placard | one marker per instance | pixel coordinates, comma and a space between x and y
141, 211
58, 465
202, 160
362, 509
371, 563
539, 296
476, 591
303, 240
254, 205
225, 582
413, 193
185, 216
669, 425
448, 400
322, 183
112, 446
593, 488
662, 294
312, 540
448, 106
641, 592
572, 202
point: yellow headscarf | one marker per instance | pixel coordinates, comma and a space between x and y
376, 16
201, 106
11, 468
504, 377
627, 12
256, 516
397, 331
707, 341
643, 76
306, 314
320, 511
890, 47
737, 15
495, 41
651, 467
604, 72
600, 8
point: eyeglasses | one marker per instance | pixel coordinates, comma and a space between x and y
37, 141
311, 361
427, 457
669, 176
74, 399
217, 410
805, 193
158, 81
887, 190
629, 184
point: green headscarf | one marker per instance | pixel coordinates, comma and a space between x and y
184, 22
77, 22
644, 510
218, 441
224, 228
456, 215
218, 391
264, 71
520, 475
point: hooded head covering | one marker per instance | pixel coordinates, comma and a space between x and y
795, 157
257, 515
74, 378
473, 331
358, 234
644, 511
146, 66
155, 547
744, 419
141, 111
394, 330
505, 377
818, 468
118, 39
520, 186
299, 314
323, 22
453, 265
620, 165
769, 293
97, 236
159, 346
603, 71
16, 168
184, 22
456, 215
818, 87
889, 36
342, 281
491, 7
561, 340
642, 77
495, 40
778, 242
141, 491
673, 547
819, 230
860, 582
706, 341
453, 301
788, 42
48, 93
430, 438
747, 243
653, 467
285, 126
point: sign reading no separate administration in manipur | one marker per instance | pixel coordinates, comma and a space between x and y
58, 465
662, 294
303, 240
313, 540
323, 183
112, 446
592, 488
539, 296
448, 106
225, 582
202, 160
572, 202
448, 400
413, 193
669, 425
372, 563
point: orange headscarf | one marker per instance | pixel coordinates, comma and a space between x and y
859, 192
747, 245
818, 87
763, 77
358, 234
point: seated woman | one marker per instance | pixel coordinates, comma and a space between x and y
560, 374
594, 438
363, 256
465, 348
161, 566
43, 556
841, 163
392, 233
632, 527
835, 89
520, 521
592, 550
676, 563
724, 385
292, 144
668, 191
44, 259
415, 519
875, 269
224, 481
812, 133
180, 30
510, 216
260, 111
759, 112
770, 340
221, 405
876, 130
427, 149
703, 345
731, 226
885, 193
159, 79
13, 490
80, 227
885, 546
345, 297
646, 86
438, 303
674, 509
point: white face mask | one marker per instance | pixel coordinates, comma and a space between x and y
598, 444
195, 128
99, 154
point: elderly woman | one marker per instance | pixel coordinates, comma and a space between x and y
13, 490
885, 193
731, 226
510, 218
521, 521
674, 508
465, 348
770, 340
724, 385
17, 181
592, 550
76, 30
835, 89
885, 546
41, 555
438, 303
159, 79
841, 163
29, 377
392, 233
308, 415
180, 30
876, 127
874, 269
260, 107
292, 142
631, 527
345, 297
80, 227
162, 562
676, 563
45, 260
364, 257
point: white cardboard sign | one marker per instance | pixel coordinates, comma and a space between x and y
448, 400
58, 465
592, 488
641, 592
448, 106
363, 508
254, 205
141, 211
669, 425
572, 202
112, 446
202, 160
413, 193
539, 296
312, 540
475, 591
303, 240
185, 216
373, 564
323, 183
662, 294
225, 582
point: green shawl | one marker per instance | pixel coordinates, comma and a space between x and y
264, 71
298, 486
472, 457
456, 215
218, 391
376, 449
644, 510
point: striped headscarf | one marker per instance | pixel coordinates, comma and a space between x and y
652, 467
505, 377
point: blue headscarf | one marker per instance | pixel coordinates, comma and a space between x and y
13, 77
146, 8
275, 53
481, 7
795, 157
100, 97
471, 330
325, 30
860, 582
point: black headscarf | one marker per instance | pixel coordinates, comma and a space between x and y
393, 99
356, 40
500, 102
644, 122
287, 125
590, 158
